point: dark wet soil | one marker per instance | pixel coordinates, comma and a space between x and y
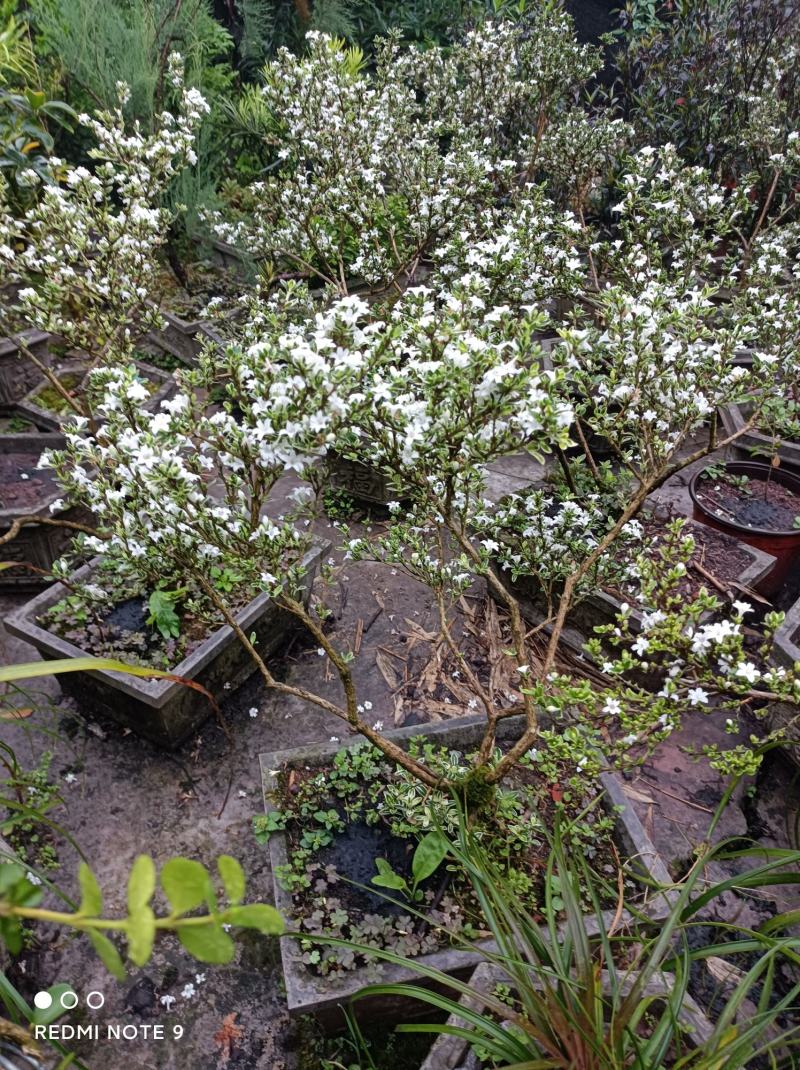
715, 552
22, 484
756, 503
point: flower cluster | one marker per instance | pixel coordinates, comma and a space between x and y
371, 169
83, 257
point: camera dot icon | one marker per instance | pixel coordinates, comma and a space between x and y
68, 1000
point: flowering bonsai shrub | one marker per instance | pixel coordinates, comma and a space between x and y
431, 392
433, 383
83, 257
372, 168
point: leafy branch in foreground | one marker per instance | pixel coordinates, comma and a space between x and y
187, 885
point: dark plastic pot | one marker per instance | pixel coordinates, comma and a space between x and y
783, 545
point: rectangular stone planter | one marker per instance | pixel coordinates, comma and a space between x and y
226, 256
164, 711
754, 445
18, 374
454, 1052
786, 652
358, 480
182, 338
601, 607
324, 996
30, 406
38, 545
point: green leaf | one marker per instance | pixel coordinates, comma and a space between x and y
257, 916
107, 954
55, 1010
208, 943
28, 669
162, 613
141, 883
232, 877
11, 934
91, 896
387, 878
429, 855
141, 929
186, 883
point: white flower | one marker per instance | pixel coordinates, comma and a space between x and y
253, 711
612, 707
70, 778
697, 696
748, 671
188, 991
167, 1001
742, 608
137, 391
378, 726
641, 645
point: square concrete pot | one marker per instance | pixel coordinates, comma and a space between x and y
324, 996
754, 445
221, 254
164, 711
786, 652
360, 481
18, 374
38, 545
31, 406
180, 337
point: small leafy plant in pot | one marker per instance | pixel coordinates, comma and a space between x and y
759, 503
599, 997
361, 851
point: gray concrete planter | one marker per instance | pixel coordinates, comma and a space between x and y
323, 996
454, 1053
601, 607
31, 406
182, 338
18, 374
755, 445
38, 545
786, 652
226, 256
164, 711
360, 481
